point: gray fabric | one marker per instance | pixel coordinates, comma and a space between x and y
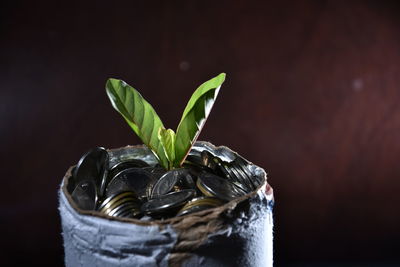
93, 241
247, 242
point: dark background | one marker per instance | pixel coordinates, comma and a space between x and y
312, 95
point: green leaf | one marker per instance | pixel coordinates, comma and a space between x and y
139, 114
167, 138
195, 115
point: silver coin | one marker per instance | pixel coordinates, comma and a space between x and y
168, 202
244, 172
167, 182
242, 177
215, 186
156, 171
237, 178
209, 160
192, 159
200, 161
256, 179
196, 168
132, 179
221, 171
187, 181
85, 195
93, 166
228, 169
122, 165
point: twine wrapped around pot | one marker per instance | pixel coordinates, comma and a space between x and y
238, 233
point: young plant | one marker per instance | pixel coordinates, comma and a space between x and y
169, 147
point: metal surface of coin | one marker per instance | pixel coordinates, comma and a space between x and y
248, 179
132, 187
133, 179
187, 181
192, 210
196, 168
93, 166
194, 159
112, 201
167, 182
228, 170
221, 171
122, 204
209, 160
242, 177
203, 161
256, 179
198, 204
127, 209
156, 172
167, 202
130, 212
132, 152
131, 163
215, 186
120, 166
117, 210
85, 195
237, 179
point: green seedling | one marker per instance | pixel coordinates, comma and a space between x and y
170, 148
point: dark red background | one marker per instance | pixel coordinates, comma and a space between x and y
312, 95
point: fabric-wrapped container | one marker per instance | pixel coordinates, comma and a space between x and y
238, 233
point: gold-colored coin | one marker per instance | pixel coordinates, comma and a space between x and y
111, 200
199, 204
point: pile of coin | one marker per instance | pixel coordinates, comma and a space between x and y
132, 188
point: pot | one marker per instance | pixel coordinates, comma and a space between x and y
238, 233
